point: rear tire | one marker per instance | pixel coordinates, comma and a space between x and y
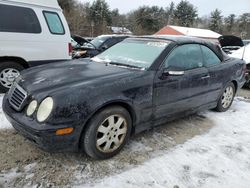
8, 72
107, 133
226, 98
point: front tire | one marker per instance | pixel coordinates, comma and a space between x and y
226, 99
8, 72
107, 132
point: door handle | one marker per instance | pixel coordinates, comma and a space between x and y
205, 77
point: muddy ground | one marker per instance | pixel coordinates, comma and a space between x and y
24, 165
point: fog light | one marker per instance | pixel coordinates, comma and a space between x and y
31, 108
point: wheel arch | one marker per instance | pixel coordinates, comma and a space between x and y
19, 60
235, 85
121, 103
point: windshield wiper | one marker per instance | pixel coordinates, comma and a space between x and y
126, 65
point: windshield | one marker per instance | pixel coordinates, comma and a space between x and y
134, 52
98, 41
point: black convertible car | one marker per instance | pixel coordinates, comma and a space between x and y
96, 104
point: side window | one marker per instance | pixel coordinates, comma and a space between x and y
210, 58
185, 57
18, 19
54, 23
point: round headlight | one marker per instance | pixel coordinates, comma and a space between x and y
31, 108
44, 109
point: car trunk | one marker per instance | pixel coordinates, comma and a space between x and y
230, 40
230, 43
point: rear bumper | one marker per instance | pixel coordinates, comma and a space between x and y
45, 139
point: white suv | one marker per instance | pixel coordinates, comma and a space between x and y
32, 32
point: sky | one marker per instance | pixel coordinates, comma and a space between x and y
204, 7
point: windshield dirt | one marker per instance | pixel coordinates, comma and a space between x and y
134, 53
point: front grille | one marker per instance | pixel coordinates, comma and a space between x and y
17, 97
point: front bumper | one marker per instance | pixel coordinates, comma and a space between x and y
42, 135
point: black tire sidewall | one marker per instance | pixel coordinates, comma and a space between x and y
8, 64
219, 107
88, 139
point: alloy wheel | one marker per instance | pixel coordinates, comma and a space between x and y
111, 133
7, 76
227, 97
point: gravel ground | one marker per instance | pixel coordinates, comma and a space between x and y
24, 165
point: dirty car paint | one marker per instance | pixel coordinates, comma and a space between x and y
80, 88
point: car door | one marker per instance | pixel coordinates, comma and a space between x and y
216, 71
181, 84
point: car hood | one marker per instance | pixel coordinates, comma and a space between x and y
80, 40
69, 74
230, 40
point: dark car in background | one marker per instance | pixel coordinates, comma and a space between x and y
79, 41
97, 45
230, 43
78, 50
96, 104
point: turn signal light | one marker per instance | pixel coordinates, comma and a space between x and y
64, 131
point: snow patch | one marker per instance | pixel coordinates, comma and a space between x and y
4, 123
138, 146
29, 167
220, 158
9, 177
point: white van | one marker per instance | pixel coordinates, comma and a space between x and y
32, 32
